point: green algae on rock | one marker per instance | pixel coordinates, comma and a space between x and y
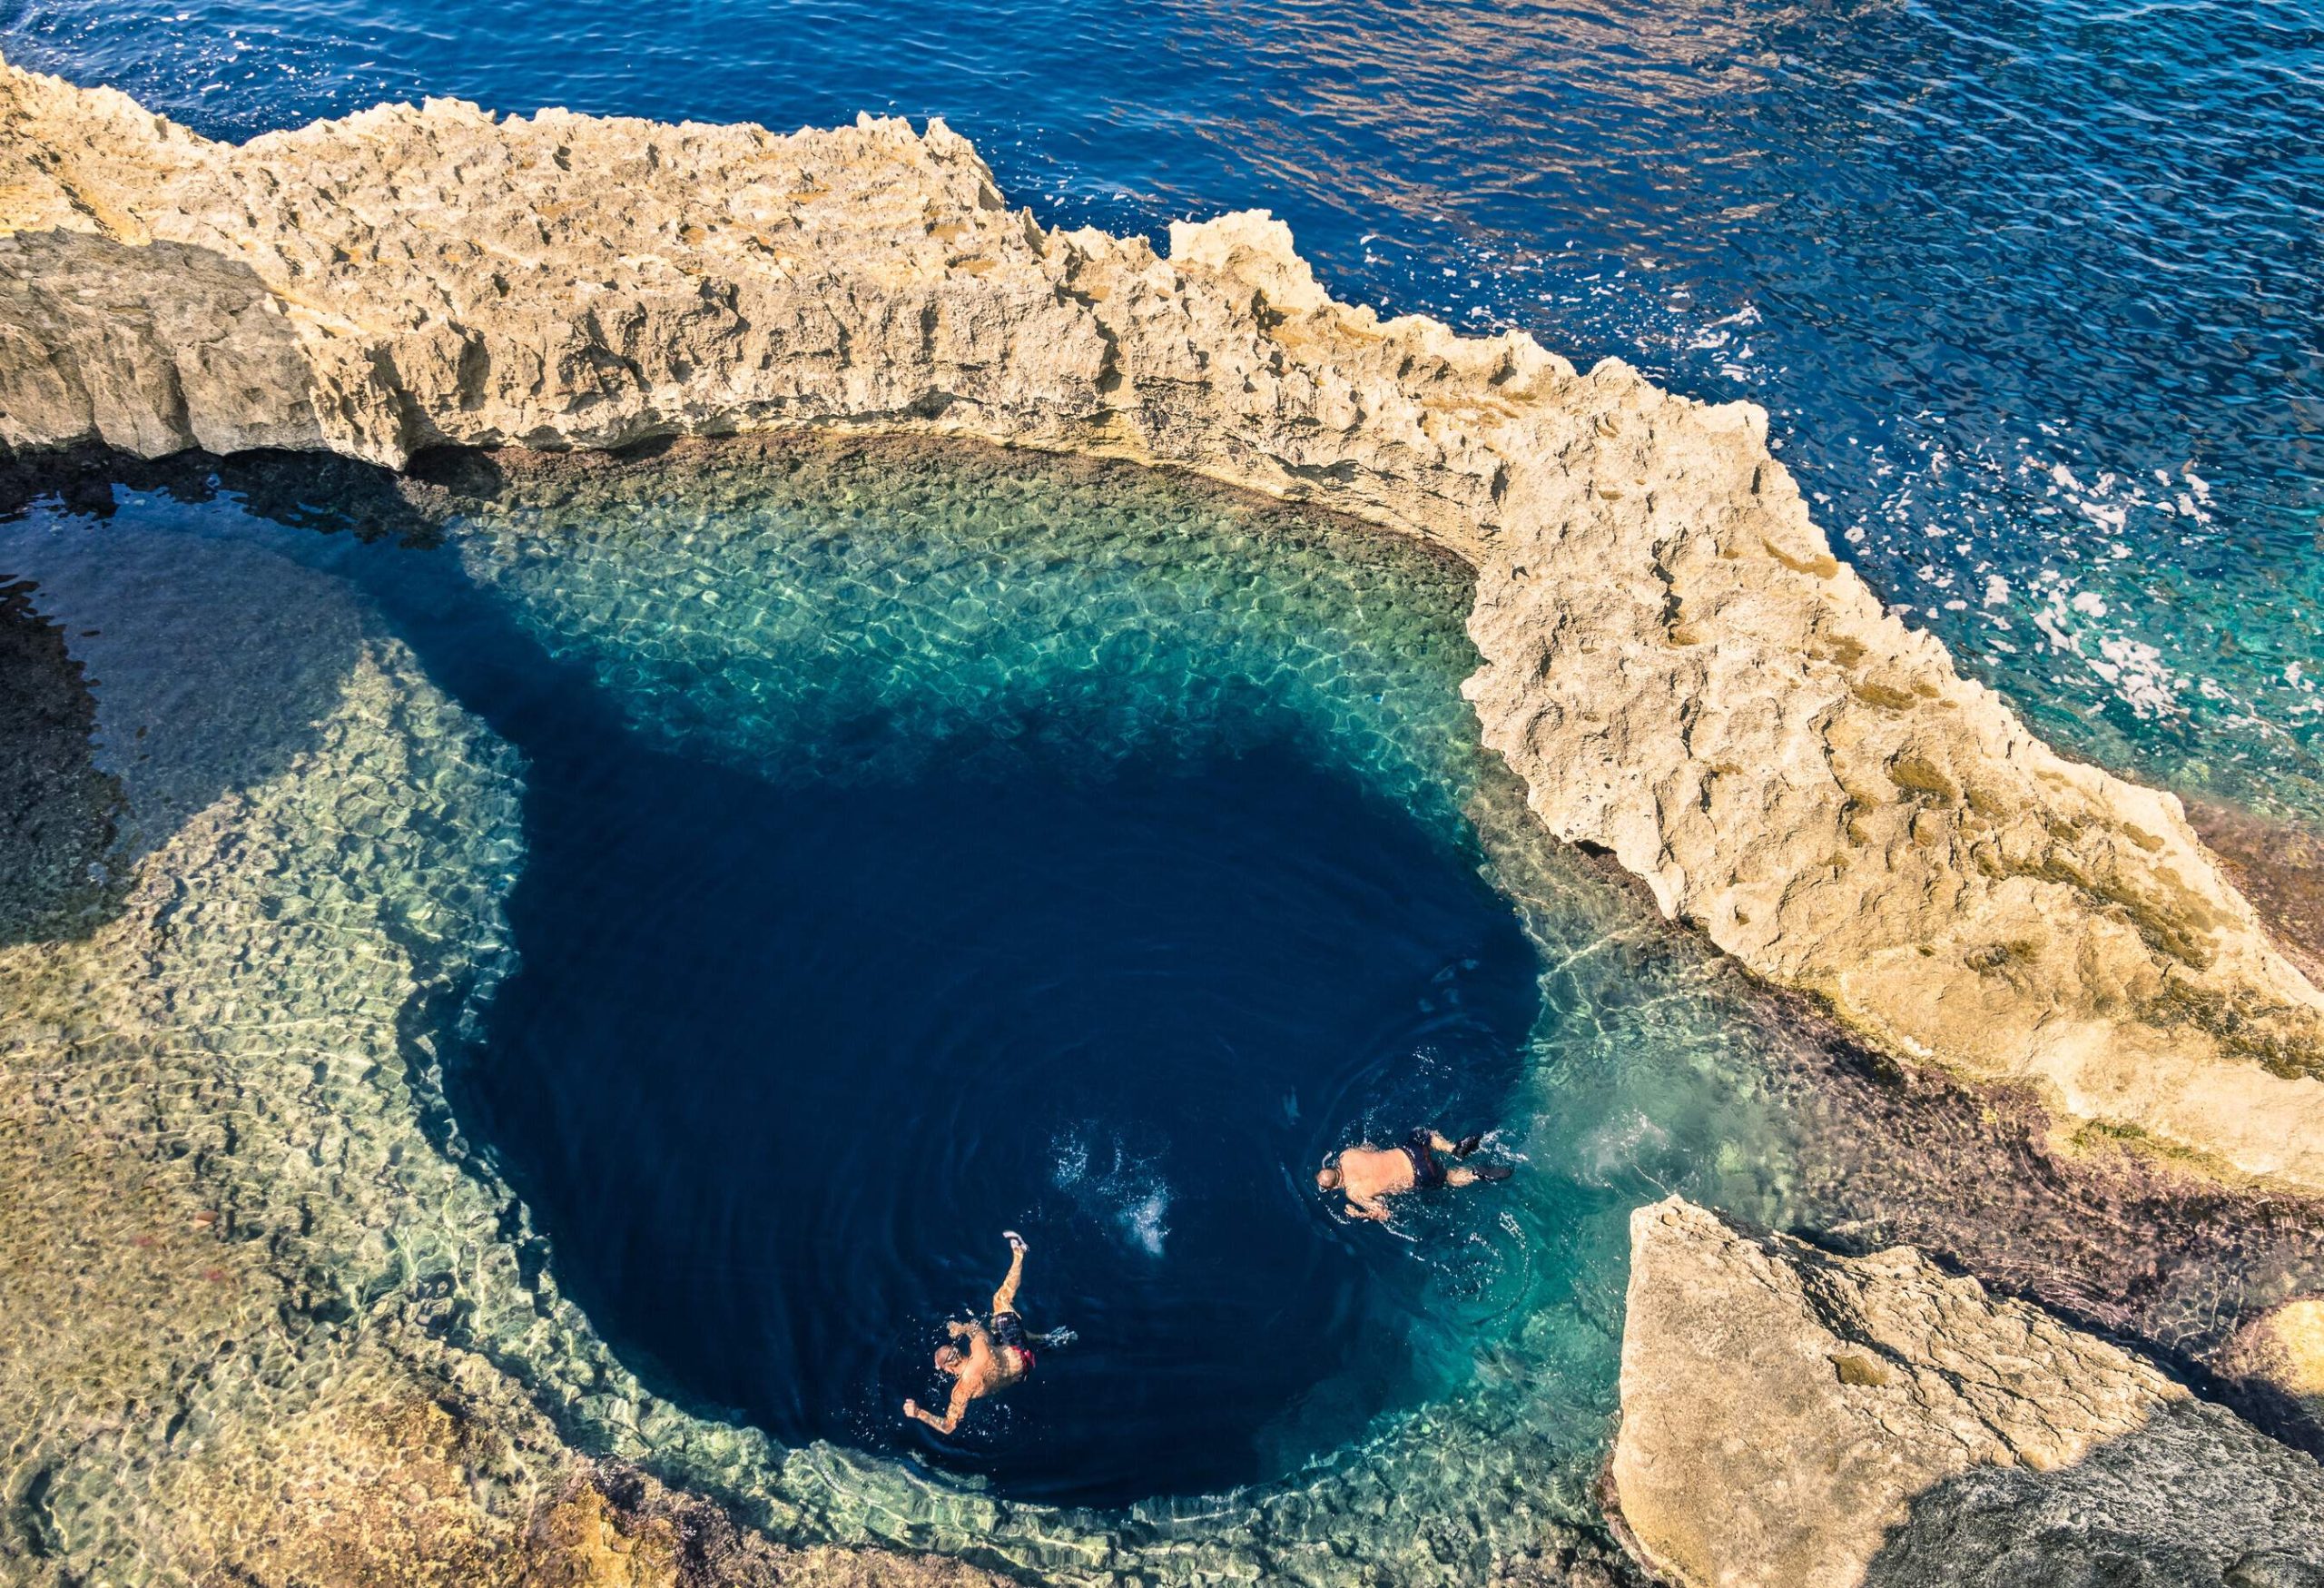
1674, 661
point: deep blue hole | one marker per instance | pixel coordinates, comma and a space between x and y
785, 1056
782, 1063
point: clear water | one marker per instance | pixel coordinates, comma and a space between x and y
2034, 295
976, 846
916, 845
789, 1046
878, 845
2033, 291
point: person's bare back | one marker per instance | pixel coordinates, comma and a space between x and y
988, 1354
1368, 1174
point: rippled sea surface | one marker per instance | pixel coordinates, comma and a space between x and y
2036, 292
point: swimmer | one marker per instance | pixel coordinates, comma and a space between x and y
996, 1353
1368, 1173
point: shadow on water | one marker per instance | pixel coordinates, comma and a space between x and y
56, 809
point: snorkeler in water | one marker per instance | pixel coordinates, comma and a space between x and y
990, 1355
1366, 1173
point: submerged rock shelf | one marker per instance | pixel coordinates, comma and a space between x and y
261, 1253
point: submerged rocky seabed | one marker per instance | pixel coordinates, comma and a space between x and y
266, 1279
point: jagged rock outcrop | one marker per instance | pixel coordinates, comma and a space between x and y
1674, 661
148, 350
1791, 1417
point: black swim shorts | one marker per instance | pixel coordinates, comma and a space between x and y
1427, 1173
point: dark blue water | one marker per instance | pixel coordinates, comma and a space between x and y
2034, 291
781, 1066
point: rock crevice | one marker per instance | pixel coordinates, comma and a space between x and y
1675, 662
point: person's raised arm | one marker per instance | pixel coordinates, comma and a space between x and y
952, 1417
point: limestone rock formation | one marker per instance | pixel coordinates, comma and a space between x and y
147, 349
1790, 1418
1675, 663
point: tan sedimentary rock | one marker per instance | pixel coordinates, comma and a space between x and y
2292, 1337
1790, 1418
1675, 662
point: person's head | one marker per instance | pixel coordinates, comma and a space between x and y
950, 1360
1327, 1179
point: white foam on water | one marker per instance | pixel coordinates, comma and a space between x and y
1123, 1191
1145, 1221
1620, 1144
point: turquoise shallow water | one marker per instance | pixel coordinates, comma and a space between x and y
803, 647
2033, 292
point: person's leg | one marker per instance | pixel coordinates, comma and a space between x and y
1441, 1142
1005, 1298
1465, 1175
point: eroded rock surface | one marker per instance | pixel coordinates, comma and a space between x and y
1675, 662
141, 348
2276, 1362
1793, 1417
